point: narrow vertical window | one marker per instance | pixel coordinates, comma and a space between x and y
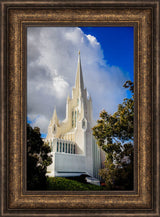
72, 118
69, 148
66, 148
52, 146
63, 147
83, 124
75, 118
57, 146
60, 146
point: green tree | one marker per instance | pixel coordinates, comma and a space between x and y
114, 134
38, 159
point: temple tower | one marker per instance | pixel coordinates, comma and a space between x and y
76, 130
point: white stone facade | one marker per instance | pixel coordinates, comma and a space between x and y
73, 146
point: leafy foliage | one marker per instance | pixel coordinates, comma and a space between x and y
114, 133
37, 159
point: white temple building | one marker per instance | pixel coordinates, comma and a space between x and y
73, 147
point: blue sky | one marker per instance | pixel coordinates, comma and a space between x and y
107, 57
118, 46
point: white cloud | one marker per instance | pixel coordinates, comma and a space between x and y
39, 120
52, 55
60, 86
93, 40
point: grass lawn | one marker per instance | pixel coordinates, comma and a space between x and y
64, 184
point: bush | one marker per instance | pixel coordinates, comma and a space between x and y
64, 184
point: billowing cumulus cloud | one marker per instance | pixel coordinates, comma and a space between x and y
52, 54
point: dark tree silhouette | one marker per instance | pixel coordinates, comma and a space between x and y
38, 159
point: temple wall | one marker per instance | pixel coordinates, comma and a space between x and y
66, 163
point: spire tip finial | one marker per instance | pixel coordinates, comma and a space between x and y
79, 76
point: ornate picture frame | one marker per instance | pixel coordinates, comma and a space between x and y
16, 17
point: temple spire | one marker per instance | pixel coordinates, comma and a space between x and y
68, 98
54, 117
79, 77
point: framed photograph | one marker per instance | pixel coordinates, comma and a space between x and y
79, 80
63, 113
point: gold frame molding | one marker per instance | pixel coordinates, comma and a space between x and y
144, 17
